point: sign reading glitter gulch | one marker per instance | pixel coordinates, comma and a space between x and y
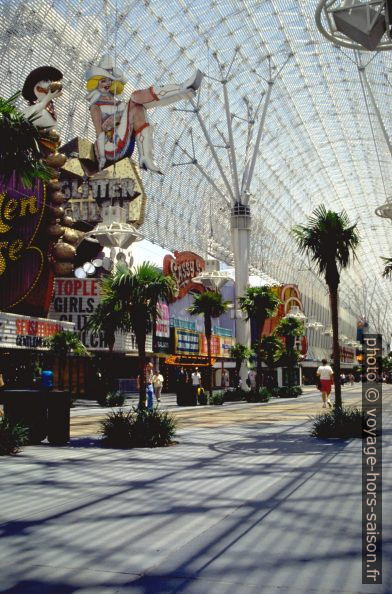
184, 267
26, 280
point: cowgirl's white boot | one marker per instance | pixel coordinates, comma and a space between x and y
172, 93
144, 141
100, 150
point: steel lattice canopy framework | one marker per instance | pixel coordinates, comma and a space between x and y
321, 142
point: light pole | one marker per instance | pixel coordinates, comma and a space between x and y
237, 187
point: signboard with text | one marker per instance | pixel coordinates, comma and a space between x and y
25, 273
220, 345
226, 343
186, 341
162, 330
215, 345
184, 267
75, 300
26, 332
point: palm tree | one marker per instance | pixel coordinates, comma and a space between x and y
108, 318
290, 328
240, 353
210, 305
133, 295
259, 303
271, 349
62, 344
19, 152
387, 273
330, 241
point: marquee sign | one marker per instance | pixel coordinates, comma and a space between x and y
162, 330
186, 342
75, 300
25, 273
184, 267
220, 345
226, 343
215, 345
346, 355
101, 189
25, 332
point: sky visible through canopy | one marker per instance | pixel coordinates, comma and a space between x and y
321, 143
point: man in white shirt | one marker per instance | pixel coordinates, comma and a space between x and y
196, 380
325, 373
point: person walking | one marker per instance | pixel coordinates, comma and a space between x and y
196, 381
149, 386
225, 379
252, 379
325, 374
157, 382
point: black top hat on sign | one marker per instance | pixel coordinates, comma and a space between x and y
42, 73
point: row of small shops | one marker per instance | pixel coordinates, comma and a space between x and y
63, 237
178, 339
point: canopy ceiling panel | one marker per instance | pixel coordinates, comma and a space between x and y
322, 142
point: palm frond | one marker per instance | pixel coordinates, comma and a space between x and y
290, 327
270, 348
387, 273
329, 240
208, 303
65, 342
259, 302
241, 352
19, 148
131, 296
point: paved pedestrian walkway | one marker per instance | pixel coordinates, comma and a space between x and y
246, 507
86, 420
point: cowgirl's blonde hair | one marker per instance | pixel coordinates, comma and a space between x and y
116, 88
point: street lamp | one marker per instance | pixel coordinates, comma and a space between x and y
295, 312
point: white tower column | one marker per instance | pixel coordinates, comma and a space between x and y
240, 237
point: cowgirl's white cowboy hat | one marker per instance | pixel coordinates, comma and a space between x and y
106, 69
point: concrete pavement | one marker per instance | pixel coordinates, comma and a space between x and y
246, 507
85, 420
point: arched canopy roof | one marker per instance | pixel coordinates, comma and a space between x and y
322, 141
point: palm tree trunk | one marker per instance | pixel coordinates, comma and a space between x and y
78, 377
111, 342
259, 329
290, 368
141, 347
238, 364
70, 374
258, 371
208, 331
61, 372
333, 300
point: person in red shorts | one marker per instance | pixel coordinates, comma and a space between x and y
325, 374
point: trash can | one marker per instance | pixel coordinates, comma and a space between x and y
28, 408
187, 396
47, 379
58, 405
45, 413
